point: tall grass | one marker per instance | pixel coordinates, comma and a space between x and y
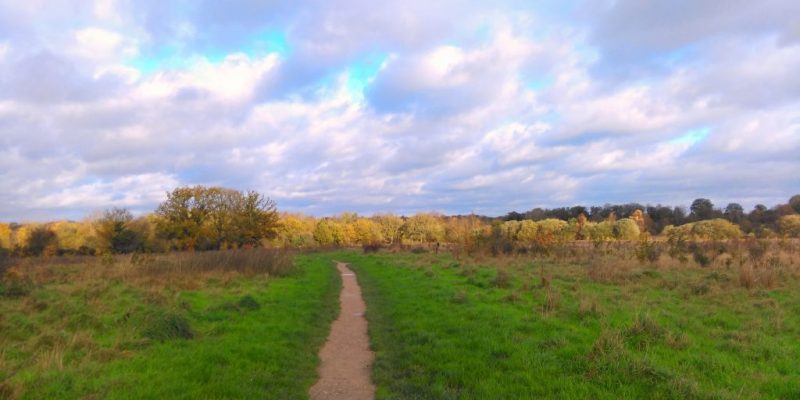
177, 268
179, 325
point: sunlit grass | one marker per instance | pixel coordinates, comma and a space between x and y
514, 328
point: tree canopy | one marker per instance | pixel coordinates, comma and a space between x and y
206, 218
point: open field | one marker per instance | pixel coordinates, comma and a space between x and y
578, 322
515, 327
208, 325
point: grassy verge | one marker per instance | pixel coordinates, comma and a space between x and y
519, 329
190, 334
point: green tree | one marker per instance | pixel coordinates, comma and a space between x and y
114, 233
734, 212
702, 209
794, 202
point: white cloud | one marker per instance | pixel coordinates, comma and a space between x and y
474, 107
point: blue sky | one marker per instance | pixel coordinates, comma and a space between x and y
450, 106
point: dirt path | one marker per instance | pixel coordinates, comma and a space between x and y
346, 357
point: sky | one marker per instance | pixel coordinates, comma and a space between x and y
397, 106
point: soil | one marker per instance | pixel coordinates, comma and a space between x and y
346, 358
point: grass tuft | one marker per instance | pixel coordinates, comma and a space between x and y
163, 326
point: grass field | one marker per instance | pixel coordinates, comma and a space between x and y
120, 331
512, 328
220, 325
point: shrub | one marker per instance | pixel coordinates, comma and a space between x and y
714, 229
626, 229
167, 326
647, 251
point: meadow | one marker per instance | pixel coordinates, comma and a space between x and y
647, 319
593, 324
231, 324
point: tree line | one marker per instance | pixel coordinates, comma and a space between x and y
761, 221
212, 218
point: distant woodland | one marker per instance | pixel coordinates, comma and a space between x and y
212, 218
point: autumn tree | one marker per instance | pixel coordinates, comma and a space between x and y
202, 218
325, 233
638, 218
790, 225
367, 231
114, 233
296, 230
389, 225
5, 236
423, 228
41, 241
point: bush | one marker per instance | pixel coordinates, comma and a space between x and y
647, 250
790, 225
42, 241
626, 229
167, 326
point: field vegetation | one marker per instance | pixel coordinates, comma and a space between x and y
225, 324
218, 295
708, 320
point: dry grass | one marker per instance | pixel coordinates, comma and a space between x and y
184, 270
588, 306
552, 301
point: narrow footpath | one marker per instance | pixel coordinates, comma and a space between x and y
346, 357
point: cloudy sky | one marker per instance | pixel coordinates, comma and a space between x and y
453, 106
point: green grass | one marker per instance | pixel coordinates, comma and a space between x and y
444, 329
224, 336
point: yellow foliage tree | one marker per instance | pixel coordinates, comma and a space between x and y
367, 231
423, 228
389, 225
5, 236
296, 230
